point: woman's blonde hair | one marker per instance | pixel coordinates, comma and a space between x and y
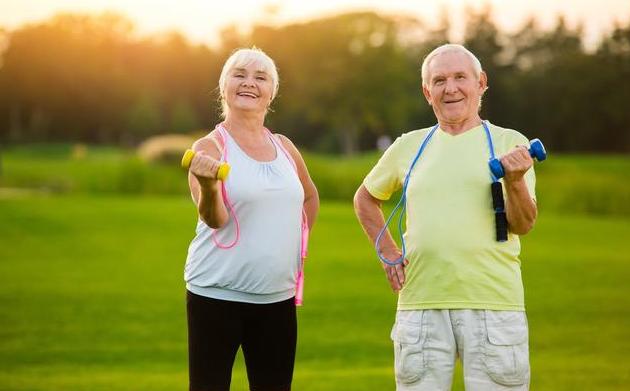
241, 58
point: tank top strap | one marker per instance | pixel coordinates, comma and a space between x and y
223, 138
299, 287
279, 146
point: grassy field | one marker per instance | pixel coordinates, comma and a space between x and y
594, 185
92, 298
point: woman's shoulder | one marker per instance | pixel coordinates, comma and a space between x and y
211, 144
286, 142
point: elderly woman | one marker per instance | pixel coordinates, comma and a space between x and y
243, 264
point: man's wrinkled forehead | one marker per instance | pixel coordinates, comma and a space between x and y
450, 62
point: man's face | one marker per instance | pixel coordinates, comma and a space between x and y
453, 89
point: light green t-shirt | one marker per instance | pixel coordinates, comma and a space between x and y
455, 261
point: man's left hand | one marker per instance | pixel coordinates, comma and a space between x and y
516, 163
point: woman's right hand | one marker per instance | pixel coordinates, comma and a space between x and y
204, 167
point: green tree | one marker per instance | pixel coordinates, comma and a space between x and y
183, 118
143, 119
336, 74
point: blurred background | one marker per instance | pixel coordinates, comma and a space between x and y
98, 100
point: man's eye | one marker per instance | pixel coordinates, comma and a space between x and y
262, 78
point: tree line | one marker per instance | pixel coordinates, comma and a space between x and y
345, 80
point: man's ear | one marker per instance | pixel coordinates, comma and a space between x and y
483, 82
427, 93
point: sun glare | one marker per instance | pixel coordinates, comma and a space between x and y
202, 20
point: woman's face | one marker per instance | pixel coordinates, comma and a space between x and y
248, 89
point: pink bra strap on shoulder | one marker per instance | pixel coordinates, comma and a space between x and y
290, 158
299, 286
226, 199
222, 138
282, 148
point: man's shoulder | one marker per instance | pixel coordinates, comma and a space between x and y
413, 135
507, 134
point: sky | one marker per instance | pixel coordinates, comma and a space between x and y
201, 20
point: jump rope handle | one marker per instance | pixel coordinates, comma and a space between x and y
222, 172
536, 151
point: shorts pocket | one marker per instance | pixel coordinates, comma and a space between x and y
408, 337
506, 352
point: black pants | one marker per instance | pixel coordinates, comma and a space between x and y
267, 334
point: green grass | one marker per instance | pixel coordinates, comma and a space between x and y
103, 170
92, 298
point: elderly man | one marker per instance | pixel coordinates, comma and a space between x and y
459, 282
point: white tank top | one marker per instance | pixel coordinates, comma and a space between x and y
262, 267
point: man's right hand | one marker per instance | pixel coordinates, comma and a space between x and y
395, 273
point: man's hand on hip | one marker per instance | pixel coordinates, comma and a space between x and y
396, 273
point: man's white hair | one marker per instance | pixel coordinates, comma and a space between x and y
447, 48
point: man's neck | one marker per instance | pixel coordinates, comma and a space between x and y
455, 128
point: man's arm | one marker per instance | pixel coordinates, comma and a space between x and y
521, 209
370, 215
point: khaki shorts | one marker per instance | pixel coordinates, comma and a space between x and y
493, 346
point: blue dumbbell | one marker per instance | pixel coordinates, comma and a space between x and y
536, 151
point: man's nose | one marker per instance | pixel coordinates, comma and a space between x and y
451, 86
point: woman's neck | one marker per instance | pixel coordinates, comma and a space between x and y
250, 126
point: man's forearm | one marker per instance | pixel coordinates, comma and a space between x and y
371, 217
521, 209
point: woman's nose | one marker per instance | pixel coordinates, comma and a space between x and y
247, 82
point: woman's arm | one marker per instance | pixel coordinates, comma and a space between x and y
204, 187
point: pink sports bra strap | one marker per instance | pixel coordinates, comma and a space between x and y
282, 148
299, 286
305, 229
226, 199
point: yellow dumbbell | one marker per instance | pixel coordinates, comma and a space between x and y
222, 172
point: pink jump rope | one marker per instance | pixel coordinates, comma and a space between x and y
222, 172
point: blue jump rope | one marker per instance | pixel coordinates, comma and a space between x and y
536, 150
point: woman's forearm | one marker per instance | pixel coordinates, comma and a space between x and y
211, 207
